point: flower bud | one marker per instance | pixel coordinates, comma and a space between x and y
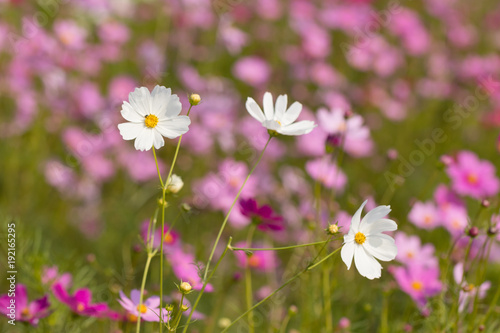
194, 99
170, 307
492, 231
292, 310
485, 203
185, 287
332, 229
473, 232
184, 308
174, 184
224, 322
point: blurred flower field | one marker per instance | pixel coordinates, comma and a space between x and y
249, 166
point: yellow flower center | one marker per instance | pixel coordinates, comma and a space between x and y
142, 308
410, 255
472, 178
279, 123
427, 219
253, 261
169, 239
417, 285
80, 307
151, 121
25, 312
132, 317
360, 238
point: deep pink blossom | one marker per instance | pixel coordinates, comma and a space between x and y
30, 312
264, 215
80, 302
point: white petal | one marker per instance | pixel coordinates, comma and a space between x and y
172, 128
174, 107
140, 99
145, 139
158, 141
268, 106
291, 114
130, 114
356, 218
131, 131
300, 128
376, 214
380, 225
254, 109
160, 97
347, 253
366, 264
382, 248
279, 110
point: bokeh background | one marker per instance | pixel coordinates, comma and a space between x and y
79, 193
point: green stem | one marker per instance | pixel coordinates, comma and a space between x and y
281, 287
228, 246
276, 248
205, 280
157, 167
163, 203
143, 284
284, 324
248, 281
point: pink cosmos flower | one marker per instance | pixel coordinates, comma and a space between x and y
186, 268
418, 282
70, 34
412, 252
326, 172
80, 302
253, 70
171, 239
472, 176
263, 261
150, 308
424, 215
468, 290
264, 215
455, 220
30, 312
51, 276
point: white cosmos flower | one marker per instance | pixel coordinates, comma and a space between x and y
174, 184
365, 241
278, 118
152, 116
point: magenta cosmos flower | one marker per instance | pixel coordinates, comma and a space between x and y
24, 311
149, 310
80, 302
472, 176
264, 216
418, 282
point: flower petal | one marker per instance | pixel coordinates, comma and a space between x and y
347, 253
130, 114
254, 109
280, 109
378, 226
174, 108
366, 264
144, 140
300, 128
130, 131
381, 247
291, 114
268, 106
160, 98
174, 127
140, 99
158, 141
376, 214
356, 218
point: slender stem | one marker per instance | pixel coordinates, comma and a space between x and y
284, 324
276, 248
248, 281
492, 305
281, 287
205, 280
143, 284
325, 258
157, 167
228, 246
163, 203
327, 299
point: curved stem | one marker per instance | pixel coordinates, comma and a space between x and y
143, 284
157, 167
205, 285
277, 248
205, 280
248, 282
281, 287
